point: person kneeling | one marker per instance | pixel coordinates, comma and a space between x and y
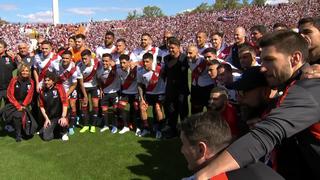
53, 106
207, 134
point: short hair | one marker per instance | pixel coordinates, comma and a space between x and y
66, 52
209, 50
80, 36
214, 62
279, 25
174, 41
109, 33
22, 66
124, 57
260, 28
315, 21
209, 127
46, 42
86, 52
107, 55
2, 42
147, 56
227, 67
72, 37
121, 40
287, 42
146, 34
219, 33
246, 47
223, 91
51, 75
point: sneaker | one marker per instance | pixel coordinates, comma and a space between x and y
145, 132
18, 138
158, 135
138, 132
65, 137
92, 129
104, 129
71, 131
114, 130
9, 128
124, 130
84, 129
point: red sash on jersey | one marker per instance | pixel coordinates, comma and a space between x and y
45, 68
110, 78
93, 72
132, 75
222, 176
225, 52
154, 79
66, 75
198, 70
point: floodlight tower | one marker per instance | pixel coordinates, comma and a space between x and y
55, 11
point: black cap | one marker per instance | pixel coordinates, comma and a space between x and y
250, 79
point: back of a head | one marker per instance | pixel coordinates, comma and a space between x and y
208, 127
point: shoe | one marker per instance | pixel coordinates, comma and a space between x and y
145, 132
18, 139
71, 131
65, 137
138, 132
92, 129
104, 129
114, 130
84, 129
77, 120
124, 130
158, 135
9, 128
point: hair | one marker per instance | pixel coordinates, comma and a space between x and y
21, 67
66, 52
287, 42
246, 47
51, 75
227, 67
121, 40
107, 55
219, 33
209, 50
279, 25
174, 41
73, 37
86, 52
315, 21
124, 57
147, 56
109, 33
2, 42
209, 127
214, 62
260, 28
146, 34
202, 32
46, 42
221, 90
82, 36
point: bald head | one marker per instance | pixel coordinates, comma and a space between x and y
201, 39
192, 52
239, 35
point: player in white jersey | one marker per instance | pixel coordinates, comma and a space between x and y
108, 45
88, 69
120, 49
151, 89
145, 47
201, 83
42, 63
109, 83
66, 71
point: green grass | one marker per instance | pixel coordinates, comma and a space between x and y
92, 156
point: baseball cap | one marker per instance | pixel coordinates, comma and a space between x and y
250, 79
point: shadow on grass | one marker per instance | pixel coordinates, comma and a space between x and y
163, 160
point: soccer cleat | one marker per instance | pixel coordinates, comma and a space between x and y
114, 130
93, 129
84, 129
104, 129
138, 132
145, 132
71, 131
65, 137
158, 135
124, 130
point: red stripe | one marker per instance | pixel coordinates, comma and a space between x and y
222, 176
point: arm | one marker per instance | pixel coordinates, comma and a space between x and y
29, 96
83, 90
47, 121
63, 121
72, 88
36, 79
10, 94
141, 93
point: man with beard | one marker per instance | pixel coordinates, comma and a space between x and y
108, 45
120, 49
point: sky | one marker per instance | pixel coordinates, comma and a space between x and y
75, 11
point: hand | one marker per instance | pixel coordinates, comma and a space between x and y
63, 122
85, 101
312, 72
143, 104
37, 88
18, 58
22, 108
47, 123
10, 53
133, 64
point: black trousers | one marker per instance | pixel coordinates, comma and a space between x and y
53, 130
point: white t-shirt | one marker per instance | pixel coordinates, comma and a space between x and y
136, 55
102, 50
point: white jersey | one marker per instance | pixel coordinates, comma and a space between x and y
137, 54
58, 69
204, 78
40, 62
85, 71
206, 45
115, 56
102, 50
103, 75
132, 89
144, 77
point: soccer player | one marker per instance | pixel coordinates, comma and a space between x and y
201, 39
120, 49
108, 46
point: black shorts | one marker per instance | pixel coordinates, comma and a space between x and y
129, 98
152, 99
201, 95
110, 99
93, 91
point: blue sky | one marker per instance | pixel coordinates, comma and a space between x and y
73, 11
